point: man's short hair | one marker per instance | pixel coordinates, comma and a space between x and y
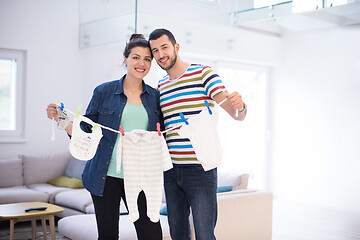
157, 33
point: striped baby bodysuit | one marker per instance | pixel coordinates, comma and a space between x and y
145, 156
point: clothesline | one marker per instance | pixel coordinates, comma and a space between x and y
117, 131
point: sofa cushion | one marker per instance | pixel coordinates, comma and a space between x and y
11, 172
21, 194
234, 179
78, 199
42, 168
75, 168
49, 189
67, 182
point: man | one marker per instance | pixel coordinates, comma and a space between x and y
184, 90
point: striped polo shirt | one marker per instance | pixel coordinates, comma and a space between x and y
186, 94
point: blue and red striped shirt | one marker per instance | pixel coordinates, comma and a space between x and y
186, 94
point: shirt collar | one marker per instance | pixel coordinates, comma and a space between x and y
136, 135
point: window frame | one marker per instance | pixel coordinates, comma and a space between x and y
17, 135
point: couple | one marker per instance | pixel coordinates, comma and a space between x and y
134, 105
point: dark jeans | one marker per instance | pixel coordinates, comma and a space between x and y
191, 187
107, 213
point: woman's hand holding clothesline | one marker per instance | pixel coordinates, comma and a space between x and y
60, 116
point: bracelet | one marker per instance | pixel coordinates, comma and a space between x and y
243, 108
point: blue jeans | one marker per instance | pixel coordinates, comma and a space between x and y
191, 187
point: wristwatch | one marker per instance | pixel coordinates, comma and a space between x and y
243, 108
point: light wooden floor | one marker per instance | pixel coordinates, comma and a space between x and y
293, 221
23, 231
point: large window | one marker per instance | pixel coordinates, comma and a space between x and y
12, 69
245, 144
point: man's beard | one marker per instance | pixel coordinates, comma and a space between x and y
172, 63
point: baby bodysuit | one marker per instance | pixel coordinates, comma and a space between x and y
145, 156
83, 145
203, 134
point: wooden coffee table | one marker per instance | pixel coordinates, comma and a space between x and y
15, 212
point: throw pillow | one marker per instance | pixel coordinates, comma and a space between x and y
221, 189
42, 168
75, 168
11, 172
163, 211
64, 181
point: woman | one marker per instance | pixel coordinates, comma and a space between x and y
134, 105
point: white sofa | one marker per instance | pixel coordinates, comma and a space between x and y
25, 179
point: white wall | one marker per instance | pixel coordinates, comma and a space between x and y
316, 130
58, 71
48, 31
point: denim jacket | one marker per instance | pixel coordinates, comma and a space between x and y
106, 108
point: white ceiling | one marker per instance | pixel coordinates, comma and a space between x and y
317, 19
99, 17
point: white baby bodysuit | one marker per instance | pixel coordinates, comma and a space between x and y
145, 156
83, 145
203, 134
